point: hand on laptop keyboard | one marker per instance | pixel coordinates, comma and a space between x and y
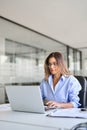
49, 107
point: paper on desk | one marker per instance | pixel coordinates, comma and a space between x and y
71, 113
5, 107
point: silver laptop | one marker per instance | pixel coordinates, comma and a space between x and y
25, 98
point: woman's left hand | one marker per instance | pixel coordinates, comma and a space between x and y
53, 104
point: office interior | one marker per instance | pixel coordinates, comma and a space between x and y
29, 31
28, 35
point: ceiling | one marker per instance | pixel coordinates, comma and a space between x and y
63, 20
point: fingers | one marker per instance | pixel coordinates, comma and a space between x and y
51, 103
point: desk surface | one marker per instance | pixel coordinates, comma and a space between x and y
11, 119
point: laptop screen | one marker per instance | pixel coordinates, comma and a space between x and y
25, 98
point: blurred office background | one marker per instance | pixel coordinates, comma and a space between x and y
31, 29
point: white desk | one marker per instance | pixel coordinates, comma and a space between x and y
12, 120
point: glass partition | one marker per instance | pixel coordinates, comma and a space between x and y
74, 60
23, 51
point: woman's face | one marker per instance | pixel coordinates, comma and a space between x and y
53, 66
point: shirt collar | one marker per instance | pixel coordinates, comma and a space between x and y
50, 78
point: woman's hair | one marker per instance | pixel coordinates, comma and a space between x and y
60, 61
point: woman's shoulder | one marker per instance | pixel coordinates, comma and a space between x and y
71, 78
73, 82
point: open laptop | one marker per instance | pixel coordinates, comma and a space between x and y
25, 98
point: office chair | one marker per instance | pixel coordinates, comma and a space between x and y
82, 94
80, 126
86, 91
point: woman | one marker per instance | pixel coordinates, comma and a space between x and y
59, 88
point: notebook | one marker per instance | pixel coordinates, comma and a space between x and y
25, 98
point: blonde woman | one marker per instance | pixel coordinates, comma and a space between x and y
59, 88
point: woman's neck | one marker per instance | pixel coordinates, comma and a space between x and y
56, 78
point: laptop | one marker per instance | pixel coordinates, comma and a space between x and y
25, 98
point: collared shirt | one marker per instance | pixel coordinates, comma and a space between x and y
66, 90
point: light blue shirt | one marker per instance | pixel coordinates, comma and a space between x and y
66, 90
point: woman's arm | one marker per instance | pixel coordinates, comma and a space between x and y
59, 105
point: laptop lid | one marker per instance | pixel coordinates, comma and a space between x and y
25, 98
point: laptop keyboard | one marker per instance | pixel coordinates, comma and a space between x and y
49, 108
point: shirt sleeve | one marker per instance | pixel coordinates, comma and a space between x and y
41, 88
74, 89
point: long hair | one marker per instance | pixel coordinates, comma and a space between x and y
61, 63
